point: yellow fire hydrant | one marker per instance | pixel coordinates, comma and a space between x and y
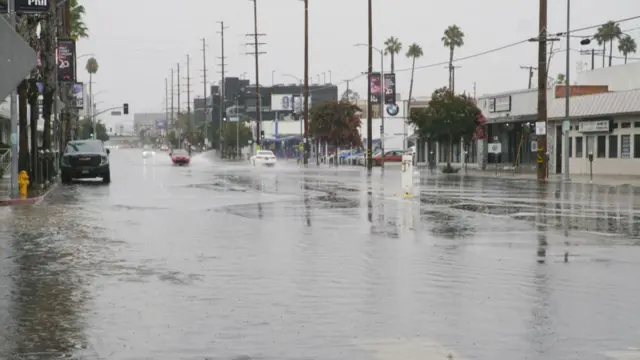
23, 183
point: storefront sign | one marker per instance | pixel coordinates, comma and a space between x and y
594, 126
625, 148
500, 104
541, 128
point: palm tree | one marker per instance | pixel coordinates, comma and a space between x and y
453, 38
607, 33
414, 52
392, 47
627, 45
79, 29
92, 68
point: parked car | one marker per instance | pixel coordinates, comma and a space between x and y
85, 159
389, 156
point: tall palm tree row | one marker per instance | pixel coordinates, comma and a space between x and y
453, 38
607, 34
28, 90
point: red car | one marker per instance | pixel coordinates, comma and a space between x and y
389, 156
180, 157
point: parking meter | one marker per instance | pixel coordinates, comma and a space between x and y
590, 156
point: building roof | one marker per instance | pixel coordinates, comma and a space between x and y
597, 105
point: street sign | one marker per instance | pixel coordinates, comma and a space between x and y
250, 142
116, 113
495, 148
534, 146
17, 58
541, 128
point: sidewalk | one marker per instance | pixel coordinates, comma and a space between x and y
33, 197
603, 180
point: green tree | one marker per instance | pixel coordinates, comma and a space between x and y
337, 123
85, 130
79, 29
561, 79
447, 117
392, 46
414, 52
229, 134
608, 33
627, 45
453, 38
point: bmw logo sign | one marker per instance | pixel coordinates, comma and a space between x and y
393, 110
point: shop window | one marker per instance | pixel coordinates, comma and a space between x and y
636, 124
601, 147
625, 146
613, 146
570, 147
625, 125
579, 146
636, 146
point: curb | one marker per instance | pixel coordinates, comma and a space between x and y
31, 200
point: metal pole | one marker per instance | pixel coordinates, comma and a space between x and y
166, 104
301, 99
93, 119
14, 117
382, 101
306, 83
221, 90
566, 124
204, 83
237, 129
172, 109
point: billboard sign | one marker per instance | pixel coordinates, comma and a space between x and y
160, 123
26, 6
375, 85
280, 102
389, 89
66, 60
78, 95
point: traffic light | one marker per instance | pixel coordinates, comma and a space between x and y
125, 109
262, 134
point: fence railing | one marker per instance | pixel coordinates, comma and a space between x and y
5, 163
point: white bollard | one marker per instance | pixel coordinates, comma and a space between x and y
407, 176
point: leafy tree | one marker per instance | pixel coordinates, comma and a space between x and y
78, 28
337, 123
350, 95
229, 134
561, 79
414, 52
627, 45
392, 46
453, 38
447, 117
85, 130
608, 33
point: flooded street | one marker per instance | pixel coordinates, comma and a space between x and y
228, 261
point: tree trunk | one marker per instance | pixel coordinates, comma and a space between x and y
604, 53
451, 68
393, 63
450, 155
610, 52
33, 94
625, 59
23, 142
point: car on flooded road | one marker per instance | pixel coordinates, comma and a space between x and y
263, 157
85, 159
180, 157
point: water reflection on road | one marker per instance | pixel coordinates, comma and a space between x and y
225, 261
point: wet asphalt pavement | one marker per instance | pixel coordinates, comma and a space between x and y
227, 261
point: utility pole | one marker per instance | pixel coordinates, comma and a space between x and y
178, 90
530, 69
189, 120
306, 83
369, 105
566, 124
347, 92
14, 115
257, 53
166, 104
172, 91
542, 156
222, 91
204, 82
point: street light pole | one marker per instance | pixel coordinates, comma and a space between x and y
306, 83
14, 116
566, 124
383, 94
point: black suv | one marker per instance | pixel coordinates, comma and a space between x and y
83, 159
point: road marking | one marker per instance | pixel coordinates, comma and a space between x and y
407, 349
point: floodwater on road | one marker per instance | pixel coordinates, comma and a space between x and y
226, 261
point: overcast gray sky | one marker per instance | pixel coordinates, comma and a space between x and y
138, 42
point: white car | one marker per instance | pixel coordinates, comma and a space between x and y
148, 153
263, 157
164, 148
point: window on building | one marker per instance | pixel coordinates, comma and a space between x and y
570, 147
601, 147
625, 125
590, 145
579, 146
636, 146
615, 125
625, 146
613, 146
636, 124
